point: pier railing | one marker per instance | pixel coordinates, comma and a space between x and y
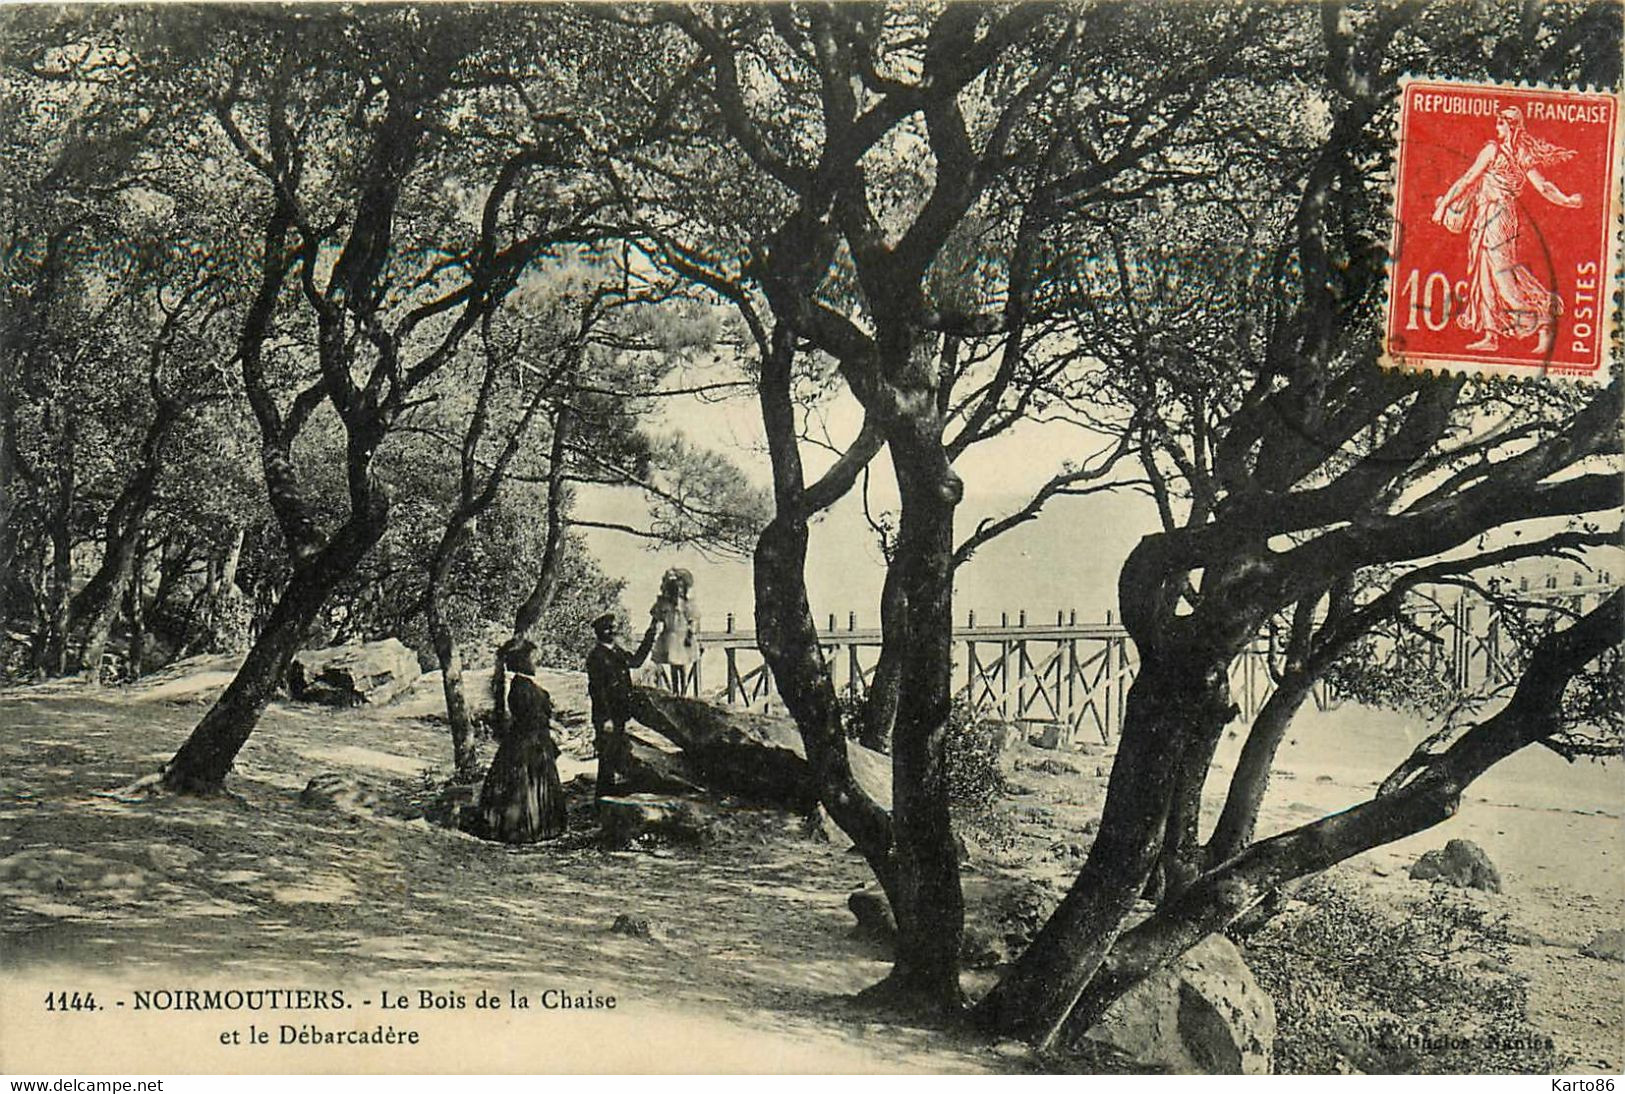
1075, 675
1066, 672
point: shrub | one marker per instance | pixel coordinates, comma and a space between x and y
1422, 989
853, 709
971, 757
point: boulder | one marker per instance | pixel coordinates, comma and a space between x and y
173, 858
873, 913
651, 769
1608, 945
362, 673
870, 769
1051, 735
1461, 863
638, 926
340, 793
1206, 1015
1015, 912
575, 742
1001, 919
983, 945
630, 819
749, 755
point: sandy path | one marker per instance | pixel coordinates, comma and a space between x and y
638, 1037
754, 961
750, 969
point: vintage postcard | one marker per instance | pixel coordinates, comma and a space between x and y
810, 538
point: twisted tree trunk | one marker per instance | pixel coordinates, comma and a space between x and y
880, 705
202, 763
446, 652
135, 610
11, 506
100, 627
123, 529
98, 602
1183, 857
1432, 795
928, 903
787, 637
546, 587
1251, 780
1173, 693
785, 631
51, 647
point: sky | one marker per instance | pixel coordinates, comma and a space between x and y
1066, 560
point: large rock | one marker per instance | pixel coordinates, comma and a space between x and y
1000, 922
982, 948
1051, 735
871, 770
872, 910
365, 672
638, 926
1607, 946
340, 793
820, 827
1001, 917
1206, 1015
654, 770
1018, 912
1461, 863
749, 755
641, 819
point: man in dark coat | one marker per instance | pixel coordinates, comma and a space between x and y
609, 686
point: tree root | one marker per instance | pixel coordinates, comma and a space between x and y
902, 997
143, 789
151, 787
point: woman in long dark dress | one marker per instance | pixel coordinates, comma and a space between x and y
522, 800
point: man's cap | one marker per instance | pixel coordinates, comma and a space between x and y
604, 624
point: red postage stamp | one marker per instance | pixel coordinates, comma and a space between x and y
1504, 258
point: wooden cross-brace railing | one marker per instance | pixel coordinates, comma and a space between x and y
1075, 676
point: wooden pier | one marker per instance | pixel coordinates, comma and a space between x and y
1075, 676
1070, 673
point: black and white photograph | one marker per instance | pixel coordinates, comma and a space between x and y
852, 538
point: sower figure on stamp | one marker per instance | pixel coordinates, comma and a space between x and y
609, 686
1503, 296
